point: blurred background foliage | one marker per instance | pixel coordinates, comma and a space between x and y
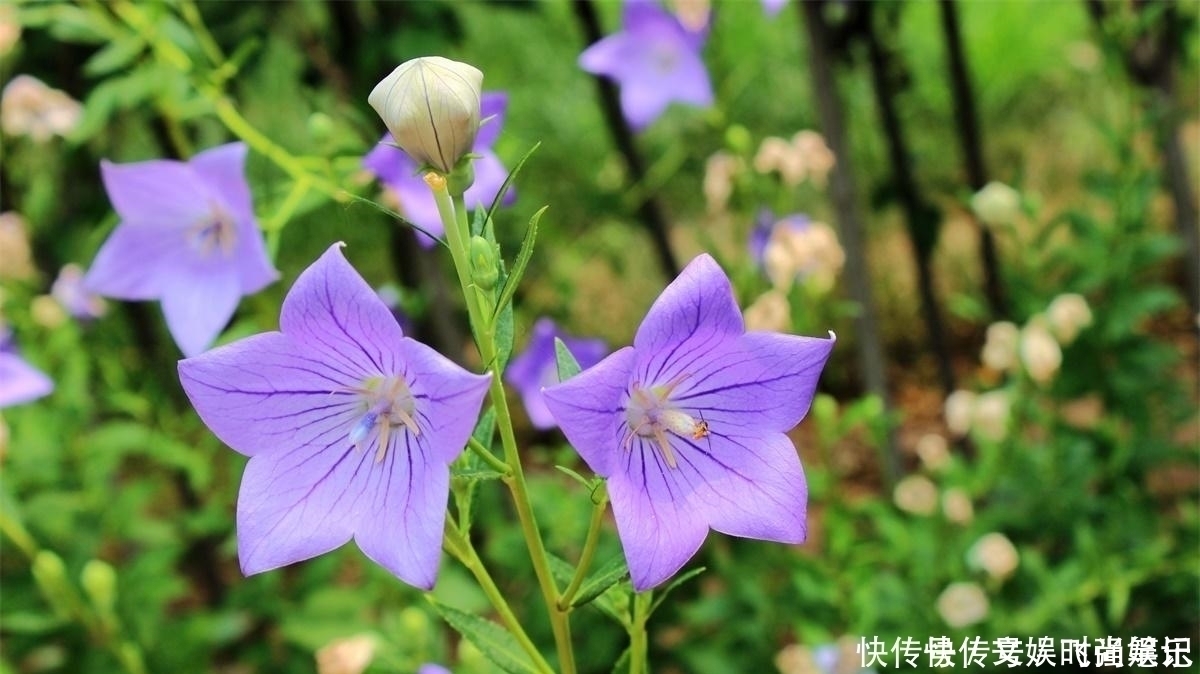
118, 504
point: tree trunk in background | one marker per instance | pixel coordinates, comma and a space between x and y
966, 121
921, 217
845, 203
650, 211
1150, 62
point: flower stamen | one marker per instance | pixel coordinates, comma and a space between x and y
650, 414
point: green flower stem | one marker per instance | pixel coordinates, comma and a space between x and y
191, 14
589, 551
461, 549
637, 632
489, 458
233, 120
12, 528
454, 219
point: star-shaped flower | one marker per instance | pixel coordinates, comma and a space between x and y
349, 425
20, 382
689, 424
399, 173
187, 237
537, 367
654, 60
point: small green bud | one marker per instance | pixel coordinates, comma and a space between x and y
100, 583
738, 138
320, 127
485, 268
414, 621
51, 576
471, 659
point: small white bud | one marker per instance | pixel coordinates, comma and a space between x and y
996, 204
431, 107
1040, 354
1067, 315
962, 604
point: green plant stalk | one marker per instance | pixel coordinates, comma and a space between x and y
458, 546
489, 458
233, 120
637, 632
191, 15
585, 557
18, 535
453, 213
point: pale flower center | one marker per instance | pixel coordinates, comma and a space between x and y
388, 403
651, 414
215, 232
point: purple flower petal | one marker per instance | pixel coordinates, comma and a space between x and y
197, 308
658, 530
188, 237
331, 310
654, 60
588, 408
237, 391
493, 105
20, 382
351, 428
537, 366
688, 425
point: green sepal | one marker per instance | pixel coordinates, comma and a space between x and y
601, 580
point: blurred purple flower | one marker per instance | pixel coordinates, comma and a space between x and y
392, 297
349, 425
537, 367
764, 225
654, 60
431, 668
399, 173
70, 292
773, 7
20, 382
187, 237
689, 424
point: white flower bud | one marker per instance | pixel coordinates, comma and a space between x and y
962, 604
1067, 315
995, 555
431, 107
349, 655
916, 494
957, 507
934, 452
990, 416
769, 313
958, 409
996, 204
1000, 347
1040, 354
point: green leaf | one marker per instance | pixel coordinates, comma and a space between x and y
512, 175
29, 623
523, 257
115, 56
622, 664
674, 584
495, 643
605, 577
504, 337
567, 365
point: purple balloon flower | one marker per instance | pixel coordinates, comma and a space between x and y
20, 382
70, 292
689, 424
430, 668
349, 425
537, 367
654, 60
773, 7
399, 173
187, 237
764, 225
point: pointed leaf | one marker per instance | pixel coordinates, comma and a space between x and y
567, 365
493, 641
512, 175
514, 278
601, 580
674, 584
